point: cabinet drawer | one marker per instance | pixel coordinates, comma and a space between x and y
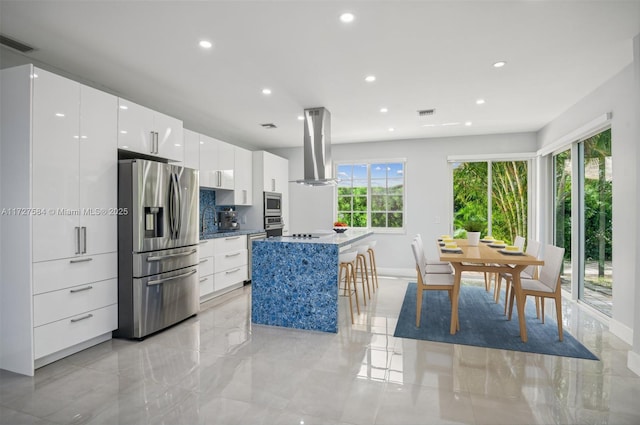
206, 285
229, 244
59, 274
205, 266
56, 305
230, 260
205, 248
230, 277
68, 332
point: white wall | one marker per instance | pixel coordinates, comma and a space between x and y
634, 355
427, 187
619, 96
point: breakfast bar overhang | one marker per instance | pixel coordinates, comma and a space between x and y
295, 280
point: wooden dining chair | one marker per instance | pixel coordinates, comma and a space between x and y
433, 266
489, 277
530, 272
547, 285
429, 282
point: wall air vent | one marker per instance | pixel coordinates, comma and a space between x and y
426, 112
15, 45
269, 126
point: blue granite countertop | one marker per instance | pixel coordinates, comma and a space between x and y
340, 239
227, 233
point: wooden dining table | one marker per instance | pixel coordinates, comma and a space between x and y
483, 258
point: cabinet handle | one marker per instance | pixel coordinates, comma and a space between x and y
232, 271
232, 255
219, 178
231, 238
88, 316
244, 196
202, 279
81, 260
157, 143
159, 281
202, 242
273, 185
77, 229
153, 142
84, 240
86, 288
204, 260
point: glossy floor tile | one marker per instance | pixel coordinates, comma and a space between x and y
218, 368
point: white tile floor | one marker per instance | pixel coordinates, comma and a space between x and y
217, 368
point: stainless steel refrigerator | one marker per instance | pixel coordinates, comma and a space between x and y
157, 246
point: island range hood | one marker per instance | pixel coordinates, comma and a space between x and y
318, 170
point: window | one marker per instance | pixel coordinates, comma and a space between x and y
495, 191
371, 194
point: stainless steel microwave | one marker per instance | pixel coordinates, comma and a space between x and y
272, 204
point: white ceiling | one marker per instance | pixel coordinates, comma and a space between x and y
425, 54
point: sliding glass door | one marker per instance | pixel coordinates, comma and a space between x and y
583, 214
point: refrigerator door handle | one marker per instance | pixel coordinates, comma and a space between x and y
167, 279
178, 208
165, 257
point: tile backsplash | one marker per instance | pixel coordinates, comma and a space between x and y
208, 206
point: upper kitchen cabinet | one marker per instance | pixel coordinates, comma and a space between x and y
74, 168
191, 150
243, 168
275, 172
216, 163
148, 132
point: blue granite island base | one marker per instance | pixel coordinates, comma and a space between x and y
294, 285
295, 281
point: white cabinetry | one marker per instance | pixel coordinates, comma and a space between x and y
191, 150
146, 131
270, 174
216, 163
223, 265
243, 168
59, 260
205, 269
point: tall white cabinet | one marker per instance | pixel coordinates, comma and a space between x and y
270, 174
58, 292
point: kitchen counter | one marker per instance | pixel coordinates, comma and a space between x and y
295, 280
227, 233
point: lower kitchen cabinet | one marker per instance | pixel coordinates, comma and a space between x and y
223, 265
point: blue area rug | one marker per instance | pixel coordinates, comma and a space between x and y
483, 324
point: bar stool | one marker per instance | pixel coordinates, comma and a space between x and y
361, 266
372, 264
347, 264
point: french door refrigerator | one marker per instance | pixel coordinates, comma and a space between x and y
157, 246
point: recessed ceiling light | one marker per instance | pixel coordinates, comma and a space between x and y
124, 107
205, 44
266, 91
384, 110
123, 131
59, 114
202, 143
468, 123
347, 17
300, 118
177, 144
480, 102
428, 125
370, 78
451, 123
499, 64
392, 129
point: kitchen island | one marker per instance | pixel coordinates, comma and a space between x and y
295, 280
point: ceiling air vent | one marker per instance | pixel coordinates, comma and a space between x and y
16, 45
269, 126
426, 112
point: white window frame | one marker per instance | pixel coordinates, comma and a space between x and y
368, 163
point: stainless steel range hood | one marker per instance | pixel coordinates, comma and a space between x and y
318, 170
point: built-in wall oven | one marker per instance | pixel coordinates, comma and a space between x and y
272, 204
273, 226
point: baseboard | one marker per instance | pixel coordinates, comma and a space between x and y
397, 272
633, 362
43, 361
623, 332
